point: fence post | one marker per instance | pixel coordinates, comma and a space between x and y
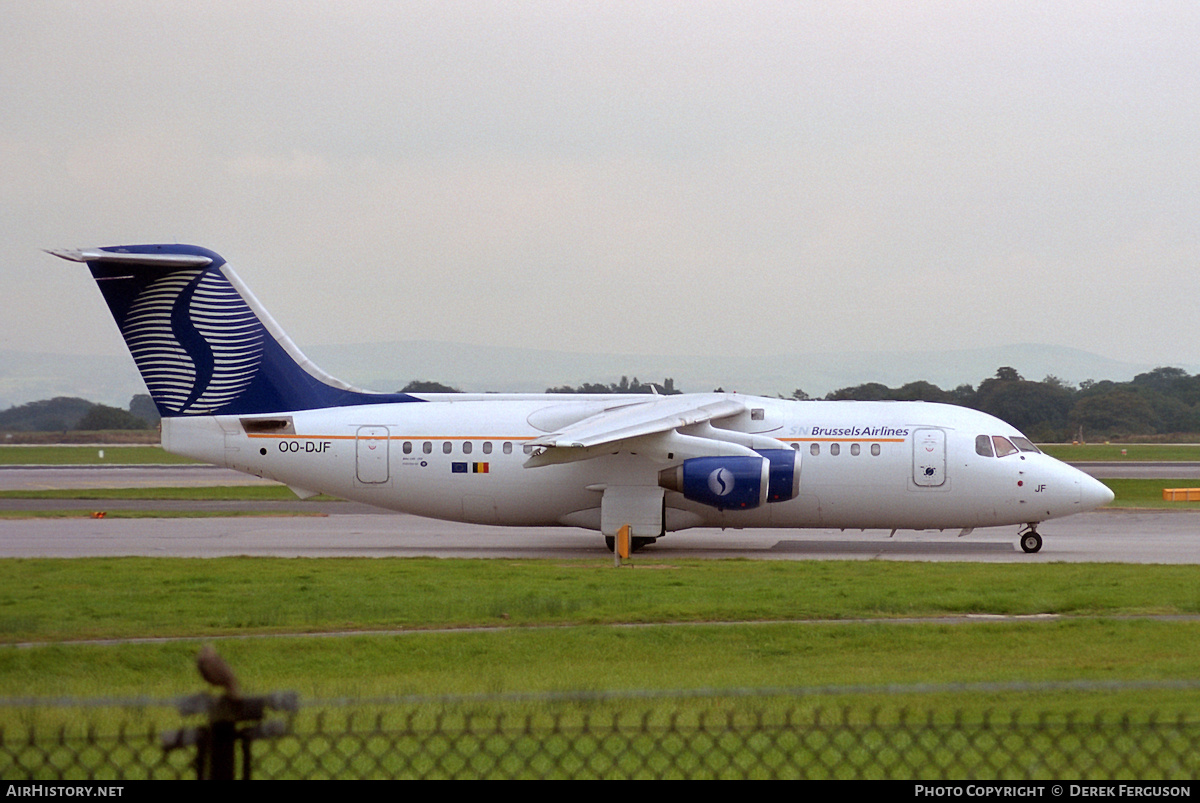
222, 737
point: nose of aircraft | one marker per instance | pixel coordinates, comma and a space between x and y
1092, 492
1077, 492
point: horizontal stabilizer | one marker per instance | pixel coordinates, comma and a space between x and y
164, 260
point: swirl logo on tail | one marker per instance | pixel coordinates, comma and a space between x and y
194, 339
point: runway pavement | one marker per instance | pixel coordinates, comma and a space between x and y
1108, 536
34, 478
349, 529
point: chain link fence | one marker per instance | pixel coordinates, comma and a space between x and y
718, 736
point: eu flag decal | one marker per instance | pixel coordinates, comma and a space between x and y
458, 468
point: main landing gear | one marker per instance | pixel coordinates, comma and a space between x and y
635, 543
1029, 538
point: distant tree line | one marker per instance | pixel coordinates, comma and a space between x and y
666, 388
65, 413
1162, 402
425, 386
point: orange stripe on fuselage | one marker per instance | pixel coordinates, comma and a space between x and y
393, 437
844, 440
522, 438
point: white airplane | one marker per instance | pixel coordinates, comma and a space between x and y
234, 390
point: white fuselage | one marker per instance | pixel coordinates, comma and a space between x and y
461, 457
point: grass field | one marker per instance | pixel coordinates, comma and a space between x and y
59, 600
1148, 493
660, 646
677, 657
582, 625
553, 626
1133, 452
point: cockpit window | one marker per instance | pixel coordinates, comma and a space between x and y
983, 445
1004, 446
1025, 445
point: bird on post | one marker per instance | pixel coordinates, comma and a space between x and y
215, 671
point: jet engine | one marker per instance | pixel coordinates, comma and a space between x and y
736, 483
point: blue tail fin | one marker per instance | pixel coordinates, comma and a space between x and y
203, 343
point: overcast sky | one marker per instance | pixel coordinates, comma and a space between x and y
676, 177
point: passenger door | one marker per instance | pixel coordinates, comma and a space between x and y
929, 458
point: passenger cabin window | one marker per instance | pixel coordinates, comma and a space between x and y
447, 447
466, 447
874, 450
835, 449
1025, 445
983, 446
1003, 446
507, 448
855, 449
814, 449
427, 447
408, 447
487, 447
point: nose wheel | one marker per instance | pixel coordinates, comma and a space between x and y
1029, 539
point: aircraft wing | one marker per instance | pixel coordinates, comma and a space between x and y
658, 414
652, 428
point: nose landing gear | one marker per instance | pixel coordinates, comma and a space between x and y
1029, 539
